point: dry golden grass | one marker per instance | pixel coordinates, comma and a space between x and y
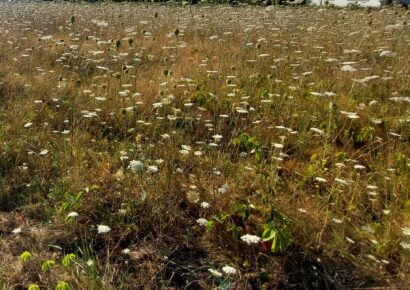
207, 124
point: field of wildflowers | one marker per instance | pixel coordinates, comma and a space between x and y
207, 147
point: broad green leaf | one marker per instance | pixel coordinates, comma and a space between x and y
268, 234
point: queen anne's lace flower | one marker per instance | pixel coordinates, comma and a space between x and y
229, 270
250, 239
72, 214
136, 166
405, 245
202, 221
204, 204
103, 229
406, 231
152, 169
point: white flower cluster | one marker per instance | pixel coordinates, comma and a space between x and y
103, 229
250, 239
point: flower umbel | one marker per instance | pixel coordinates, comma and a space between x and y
103, 229
250, 239
229, 270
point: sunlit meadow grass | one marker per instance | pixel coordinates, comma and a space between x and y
158, 146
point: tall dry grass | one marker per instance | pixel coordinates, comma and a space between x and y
291, 123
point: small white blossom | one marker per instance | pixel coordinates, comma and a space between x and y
387, 53
202, 221
373, 193
342, 181
359, 167
215, 272
152, 169
320, 179
373, 258
217, 137
204, 204
316, 130
406, 231
352, 116
136, 166
229, 270
72, 214
103, 229
126, 251
350, 240
405, 245
223, 189
250, 239
277, 145
348, 68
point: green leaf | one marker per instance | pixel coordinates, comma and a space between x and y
33, 287
210, 225
275, 244
68, 259
62, 286
79, 195
268, 234
245, 214
221, 217
279, 242
65, 206
47, 265
25, 256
